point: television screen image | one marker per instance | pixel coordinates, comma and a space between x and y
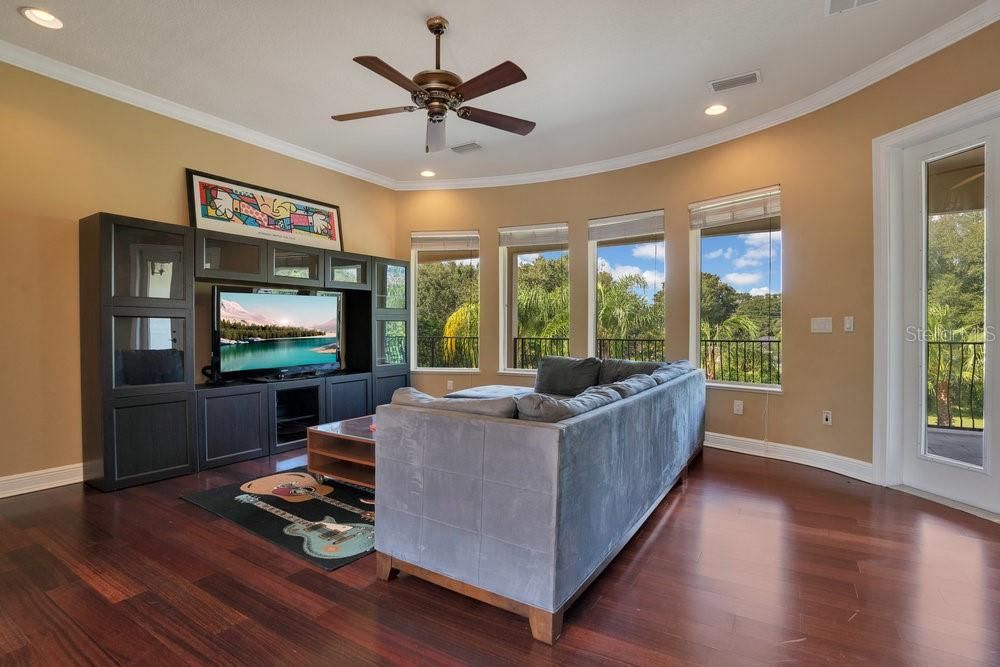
267, 330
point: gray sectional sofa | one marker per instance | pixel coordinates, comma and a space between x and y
524, 514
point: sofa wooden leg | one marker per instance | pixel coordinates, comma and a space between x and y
545, 626
383, 567
684, 478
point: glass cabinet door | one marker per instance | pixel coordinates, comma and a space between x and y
390, 343
147, 265
225, 256
390, 286
295, 266
148, 350
346, 271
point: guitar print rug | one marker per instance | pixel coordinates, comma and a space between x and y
328, 523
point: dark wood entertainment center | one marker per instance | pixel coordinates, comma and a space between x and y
146, 416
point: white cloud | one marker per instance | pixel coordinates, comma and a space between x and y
761, 238
528, 258
742, 279
759, 291
726, 253
653, 279
649, 250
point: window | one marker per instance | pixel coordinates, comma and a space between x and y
446, 313
627, 276
535, 294
738, 244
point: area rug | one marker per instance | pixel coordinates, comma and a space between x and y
328, 523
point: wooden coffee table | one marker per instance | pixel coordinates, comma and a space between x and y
343, 450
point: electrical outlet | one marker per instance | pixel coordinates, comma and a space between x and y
451, 385
848, 323
737, 407
827, 418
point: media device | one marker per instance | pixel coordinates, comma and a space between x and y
273, 332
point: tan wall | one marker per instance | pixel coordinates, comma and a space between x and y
823, 163
67, 153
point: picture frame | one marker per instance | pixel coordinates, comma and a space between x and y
234, 207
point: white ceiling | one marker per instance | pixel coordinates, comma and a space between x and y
605, 78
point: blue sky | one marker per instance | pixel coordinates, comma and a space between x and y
741, 260
292, 309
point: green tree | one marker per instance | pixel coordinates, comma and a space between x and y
719, 300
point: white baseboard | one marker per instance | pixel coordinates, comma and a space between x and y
38, 480
810, 457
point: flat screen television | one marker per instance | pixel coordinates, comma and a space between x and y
276, 332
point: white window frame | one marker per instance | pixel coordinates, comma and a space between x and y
415, 268
506, 251
769, 199
622, 222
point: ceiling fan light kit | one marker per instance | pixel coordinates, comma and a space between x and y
438, 91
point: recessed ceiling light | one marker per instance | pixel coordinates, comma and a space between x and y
427, 173
715, 110
41, 17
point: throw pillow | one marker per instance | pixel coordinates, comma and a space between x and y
674, 370
566, 375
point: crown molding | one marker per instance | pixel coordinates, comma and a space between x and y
60, 71
955, 30
962, 26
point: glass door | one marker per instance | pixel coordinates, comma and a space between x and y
950, 446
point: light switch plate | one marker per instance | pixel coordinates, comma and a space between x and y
848, 323
451, 385
737, 407
821, 325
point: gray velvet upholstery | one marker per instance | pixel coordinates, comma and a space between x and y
491, 407
529, 510
615, 370
670, 371
490, 391
631, 386
567, 376
544, 408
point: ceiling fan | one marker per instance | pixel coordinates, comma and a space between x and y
438, 90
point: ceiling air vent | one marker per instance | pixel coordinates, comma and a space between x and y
735, 81
467, 148
840, 6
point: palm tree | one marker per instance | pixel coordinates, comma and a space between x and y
462, 323
944, 319
736, 327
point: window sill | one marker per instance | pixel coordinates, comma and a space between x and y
446, 371
518, 373
752, 388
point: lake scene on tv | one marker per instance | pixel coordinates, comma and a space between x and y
268, 330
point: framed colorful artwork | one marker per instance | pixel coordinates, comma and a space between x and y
224, 205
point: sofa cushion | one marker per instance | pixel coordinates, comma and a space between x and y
671, 371
631, 386
490, 391
542, 408
490, 407
613, 370
566, 375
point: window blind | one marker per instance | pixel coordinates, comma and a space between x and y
741, 207
634, 225
444, 240
548, 234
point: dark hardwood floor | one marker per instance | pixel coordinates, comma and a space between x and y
755, 562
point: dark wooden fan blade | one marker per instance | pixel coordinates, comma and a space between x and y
497, 120
386, 70
501, 76
373, 112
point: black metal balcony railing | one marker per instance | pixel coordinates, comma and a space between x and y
527, 351
955, 385
636, 349
744, 361
447, 352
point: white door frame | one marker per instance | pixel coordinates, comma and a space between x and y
889, 330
